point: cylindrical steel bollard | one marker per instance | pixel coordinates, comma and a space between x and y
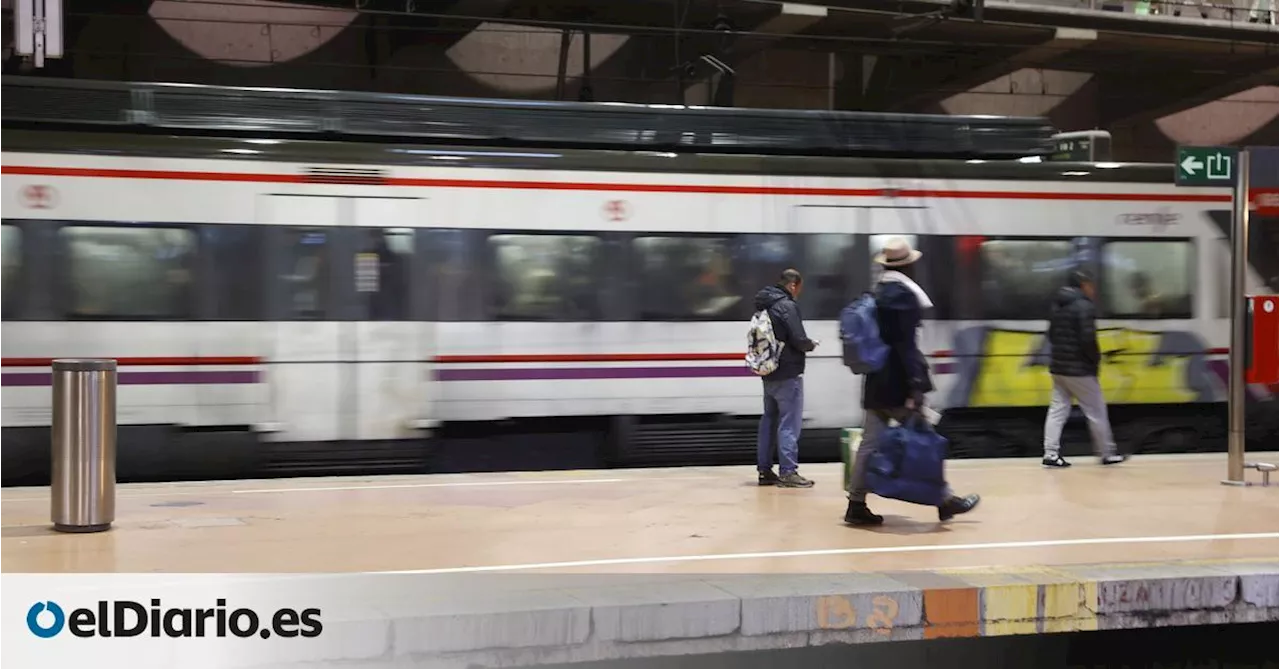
84, 445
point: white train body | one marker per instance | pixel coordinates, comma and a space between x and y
323, 380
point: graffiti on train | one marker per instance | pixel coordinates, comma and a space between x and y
997, 367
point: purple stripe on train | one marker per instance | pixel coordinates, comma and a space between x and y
583, 373
34, 379
580, 373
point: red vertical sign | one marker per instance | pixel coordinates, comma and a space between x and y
1265, 365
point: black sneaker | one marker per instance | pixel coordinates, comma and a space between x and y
1114, 459
859, 514
956, 506
794, 480
1056, 462
767, 477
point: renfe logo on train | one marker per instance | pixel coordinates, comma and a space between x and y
38, 196
1159, 220
617, 210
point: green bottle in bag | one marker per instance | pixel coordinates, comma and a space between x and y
850, 440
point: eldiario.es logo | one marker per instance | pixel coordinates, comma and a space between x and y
125, 618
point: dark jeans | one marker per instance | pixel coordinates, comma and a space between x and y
781, 424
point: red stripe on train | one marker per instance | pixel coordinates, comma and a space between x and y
140, 362
457, 359
590, 357
630, 357
605, 357
185, 175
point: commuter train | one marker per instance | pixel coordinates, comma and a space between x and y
279, 306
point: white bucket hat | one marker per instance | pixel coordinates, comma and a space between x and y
897, 253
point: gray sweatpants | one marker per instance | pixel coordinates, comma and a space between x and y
1086, 391
874, 425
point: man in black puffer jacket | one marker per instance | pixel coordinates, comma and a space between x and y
784, 388
1073, 362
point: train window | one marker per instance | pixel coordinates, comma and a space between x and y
129, 273
545, 277
452, 266
691, 278
382, 272
11, 247
828, 271
236, 270
1148, 279
305, 273
1020, 277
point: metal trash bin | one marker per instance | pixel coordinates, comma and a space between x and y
83, 484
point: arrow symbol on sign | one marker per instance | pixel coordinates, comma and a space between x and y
1190, 165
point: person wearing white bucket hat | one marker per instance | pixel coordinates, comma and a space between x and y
897, 389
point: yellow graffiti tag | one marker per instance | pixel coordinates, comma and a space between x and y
1128, 375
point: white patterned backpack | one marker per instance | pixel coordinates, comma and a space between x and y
763, 348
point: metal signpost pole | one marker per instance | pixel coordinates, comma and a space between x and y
1239, 313
1198, 167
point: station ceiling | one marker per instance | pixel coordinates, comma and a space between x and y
910, 54
1145, 65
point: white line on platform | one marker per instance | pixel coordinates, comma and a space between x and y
823, 472
933, 548
387, 486
466, 484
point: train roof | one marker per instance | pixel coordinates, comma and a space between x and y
288, 113
377, 155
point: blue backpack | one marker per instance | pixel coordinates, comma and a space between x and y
864, 351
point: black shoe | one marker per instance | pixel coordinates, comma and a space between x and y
859, 514
1114, 459
956, 506
1056, 462
767, 477
794, 480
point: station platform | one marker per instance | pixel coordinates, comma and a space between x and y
520, 569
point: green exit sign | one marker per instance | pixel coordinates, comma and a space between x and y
1206, 166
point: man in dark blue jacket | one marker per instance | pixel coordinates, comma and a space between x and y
897, 389
784, 388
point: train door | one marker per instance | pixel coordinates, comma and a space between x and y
831, 255
351, 342
838, 243
307, 373
389, 338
